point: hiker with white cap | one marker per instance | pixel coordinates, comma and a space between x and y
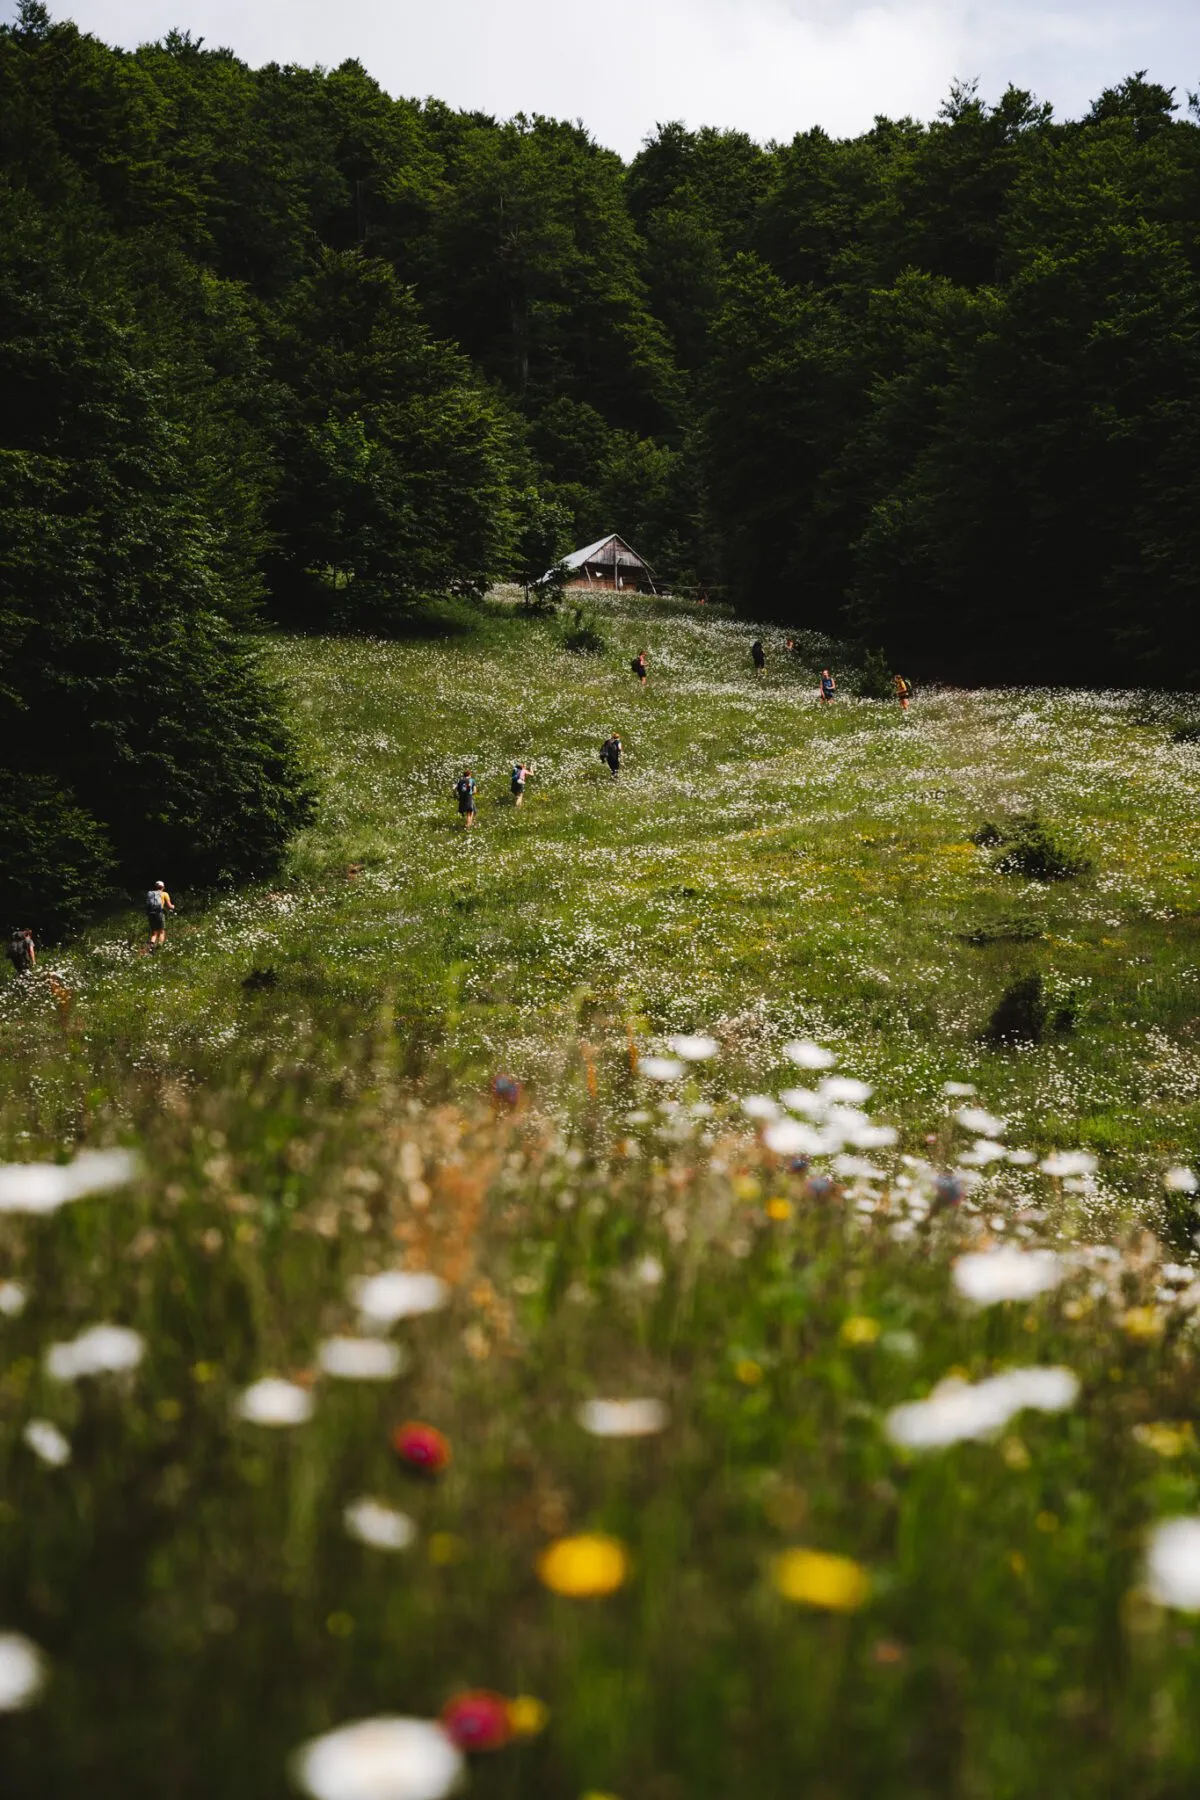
158, 905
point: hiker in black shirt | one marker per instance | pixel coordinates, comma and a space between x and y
638, 665
464, 789
21, 953
760, 657
610, 752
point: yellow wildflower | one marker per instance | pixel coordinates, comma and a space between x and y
815, 1578
1142, 1323
527, 1715
584, 1566
1166, 1439
779, 1209
860, 1329
748, 1371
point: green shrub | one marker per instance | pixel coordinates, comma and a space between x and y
1031, 849
873, 679
584, 639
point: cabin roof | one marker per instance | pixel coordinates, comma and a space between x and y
591, 553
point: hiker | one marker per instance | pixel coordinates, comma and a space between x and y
520, 775
903, 691
760, 657
828, 686
464, 788
610, 752
638, 665
158, 905
21, 953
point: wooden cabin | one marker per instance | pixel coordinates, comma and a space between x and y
608, 565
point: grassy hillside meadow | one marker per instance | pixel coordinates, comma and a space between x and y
306, 1071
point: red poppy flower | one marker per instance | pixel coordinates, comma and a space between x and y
421, 1448
478, 1720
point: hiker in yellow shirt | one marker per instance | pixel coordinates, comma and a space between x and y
158, 905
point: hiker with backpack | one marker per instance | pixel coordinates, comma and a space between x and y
638, 665
520, 775
158, 905
903, 691
21, 953
759, 657
464, 789
610, 753
828, 687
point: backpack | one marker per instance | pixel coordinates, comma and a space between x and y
18, 951
464, 787
154, 900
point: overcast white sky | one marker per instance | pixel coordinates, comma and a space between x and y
770, 67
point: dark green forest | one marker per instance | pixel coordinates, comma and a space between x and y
277, 348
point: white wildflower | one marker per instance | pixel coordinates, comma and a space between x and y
1173, 1563
845, 1090
958, 1410
982, 1152
856, 1168
788, 1137
807, 1055
397, 1294
984, 1124
648, 1272
661, 1068
987, 1276
693, 1048
623, 1418
274, 1402
1069, 1162
44, 1187
360, 1359
380, 1526
47, 1442
804, 1100
760, 1106
1180, 1180
100, 1350
873, 1137
380, 1759
22, 1671
959, 1090
12, 1299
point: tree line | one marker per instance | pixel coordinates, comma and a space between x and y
276, 346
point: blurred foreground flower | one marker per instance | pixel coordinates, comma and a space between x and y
398, 1294
693, 1047
44, 1187
274, 1402
1068, 1162
101, 1350
1143, 1323
1173, 1564
958, 1410
984, 1124
380, 1526
623, 1418
527, 1715
1166, 1439
988, 1276
660, 1068
788, 1137
478, 1720
47, 1442
360, 1359
380, 1759
421, 1448
12, 1299
584, 1567
22, 1671
815, 1578
506, 1091
807, 1055
860, 1330
1180, 1180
